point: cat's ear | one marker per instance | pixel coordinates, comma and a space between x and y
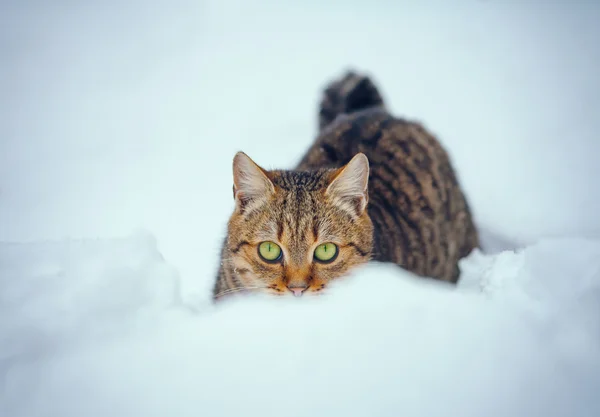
349, 187
250, 182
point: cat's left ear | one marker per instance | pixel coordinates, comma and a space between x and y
349, 187
250, 182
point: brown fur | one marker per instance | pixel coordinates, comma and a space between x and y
416, 215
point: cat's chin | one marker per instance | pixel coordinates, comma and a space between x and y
306, 294
267, 293
284, 293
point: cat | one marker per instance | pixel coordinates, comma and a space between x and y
371, 187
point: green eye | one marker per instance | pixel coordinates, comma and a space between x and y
326, 252
269, 251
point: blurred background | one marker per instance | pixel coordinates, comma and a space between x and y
117, 116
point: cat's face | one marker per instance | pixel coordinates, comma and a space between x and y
293, 233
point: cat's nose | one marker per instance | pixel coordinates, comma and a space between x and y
297, 290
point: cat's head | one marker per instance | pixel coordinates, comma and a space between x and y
294, 232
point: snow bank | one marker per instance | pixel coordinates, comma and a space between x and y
56, 295
96, 328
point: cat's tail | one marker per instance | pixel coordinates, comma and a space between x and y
350, 93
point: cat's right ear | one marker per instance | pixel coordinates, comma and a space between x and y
349, 187
250, 182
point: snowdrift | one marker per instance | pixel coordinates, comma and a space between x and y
98, 327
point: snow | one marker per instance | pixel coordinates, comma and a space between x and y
119, 121
519, 336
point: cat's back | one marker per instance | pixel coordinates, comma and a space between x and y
420, 216
411, 175
381, 136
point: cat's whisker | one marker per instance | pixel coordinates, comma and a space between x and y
238, 289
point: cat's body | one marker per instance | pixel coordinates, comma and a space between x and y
413, 212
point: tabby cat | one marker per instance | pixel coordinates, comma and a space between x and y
371, 187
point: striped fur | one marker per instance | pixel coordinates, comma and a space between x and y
416, 217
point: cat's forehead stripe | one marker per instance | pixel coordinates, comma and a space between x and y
294, 180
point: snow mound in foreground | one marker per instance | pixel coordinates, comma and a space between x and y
97, 328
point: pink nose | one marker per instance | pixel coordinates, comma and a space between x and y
297, 290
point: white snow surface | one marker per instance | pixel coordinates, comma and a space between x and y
96, 328
118, 124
